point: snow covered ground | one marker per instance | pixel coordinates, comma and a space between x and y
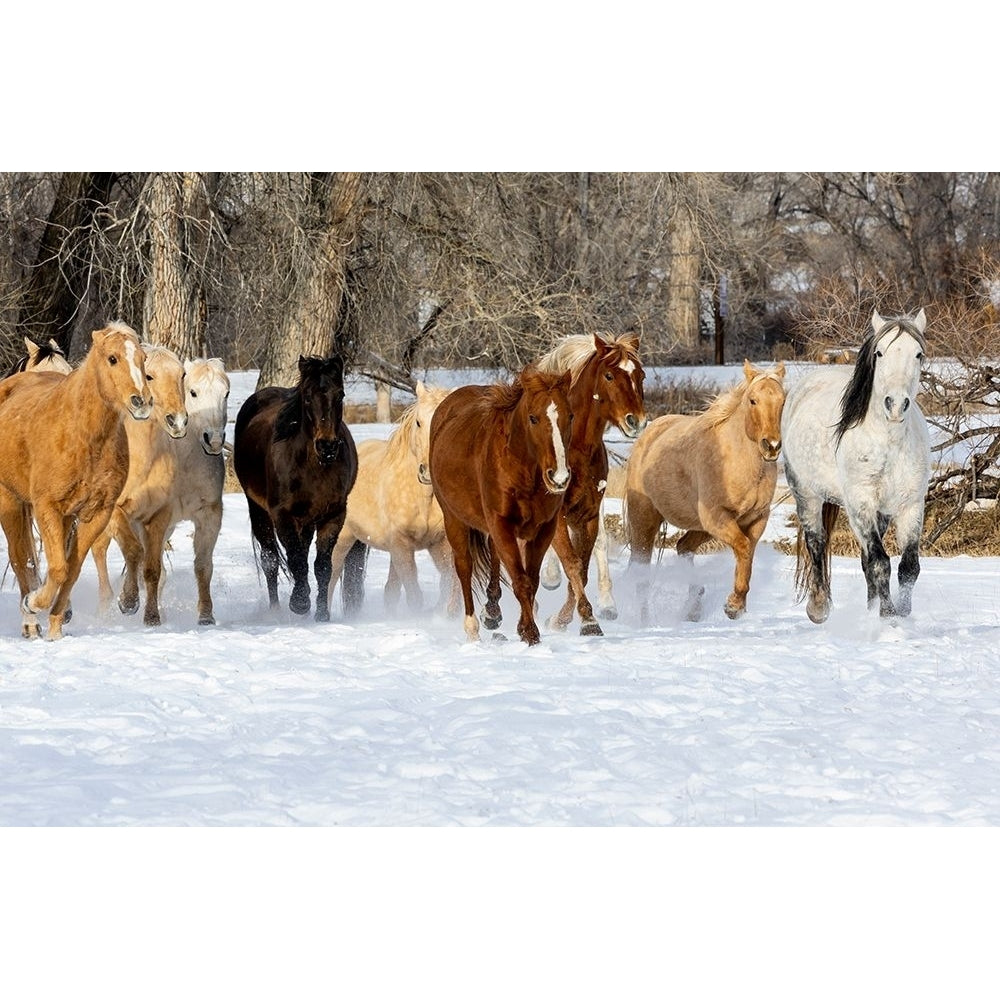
266, 721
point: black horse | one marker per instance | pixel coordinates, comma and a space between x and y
296, 461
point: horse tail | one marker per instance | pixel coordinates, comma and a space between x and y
352, 578
479, 550
803, 558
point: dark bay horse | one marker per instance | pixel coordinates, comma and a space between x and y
499, 470
296, 461
605, 388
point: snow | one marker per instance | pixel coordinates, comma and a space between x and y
383, 725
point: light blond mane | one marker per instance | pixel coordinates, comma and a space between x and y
574, 351
723, 406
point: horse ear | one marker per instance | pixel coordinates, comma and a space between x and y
55, 346
631, 341
748, 369
421, 388
920, 321
877, 321
302, 364
31, 347
779, 369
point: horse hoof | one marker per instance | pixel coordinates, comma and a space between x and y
818, 612
31, 632
734, 612
299, 606
608, 614
151, 619
556, 624
128, 607
322, 614
492, 623
591, 628
206, 620
550, 584
499, 637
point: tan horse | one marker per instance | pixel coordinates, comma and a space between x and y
392, 506
64, 458
712, 475
172, 478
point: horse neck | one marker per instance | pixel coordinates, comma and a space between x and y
587, 433
93, 415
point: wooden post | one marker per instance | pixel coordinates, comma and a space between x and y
721, 307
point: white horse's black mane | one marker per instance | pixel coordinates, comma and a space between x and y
858, 394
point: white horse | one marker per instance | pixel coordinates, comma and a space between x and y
171, 480
857, 440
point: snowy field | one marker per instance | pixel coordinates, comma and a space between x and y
268, 721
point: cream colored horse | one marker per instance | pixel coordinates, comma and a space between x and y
171, 479
712, 475
392, 506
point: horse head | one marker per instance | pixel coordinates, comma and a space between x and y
165, 377
618, 384
420, 429
207, 387
45, 357
321, 387
545, 402
764, 398
896, 361
119, 360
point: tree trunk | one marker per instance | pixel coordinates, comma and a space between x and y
683, 285
174, 310
311, 320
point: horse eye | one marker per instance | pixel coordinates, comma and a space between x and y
608, 376
194, 395
149, 378
418, 423
878, 354
112, 360
920, 355
533, 418
753, 402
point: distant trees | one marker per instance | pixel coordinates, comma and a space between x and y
403, 270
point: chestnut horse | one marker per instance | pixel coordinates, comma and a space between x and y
172, 478
392, 506
498, 466
712, 475
296, 461
64, 459
605, 388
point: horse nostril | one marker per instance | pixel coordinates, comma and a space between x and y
631, 421
888, 403
906, 404
137, 402
171, 421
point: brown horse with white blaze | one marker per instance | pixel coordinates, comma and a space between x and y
64, 459
712, 475
499, 471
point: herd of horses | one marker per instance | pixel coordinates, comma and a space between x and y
488, 479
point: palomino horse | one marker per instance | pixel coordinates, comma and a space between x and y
392, 506
296, 461
499, 471
857, 440
605, 388
64, 458
711, 474
172, 478
41, 357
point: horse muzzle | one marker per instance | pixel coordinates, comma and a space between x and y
176, 424
896, 408
769, 450
632, 426
141, 409
554, 482
212, 444
327, 450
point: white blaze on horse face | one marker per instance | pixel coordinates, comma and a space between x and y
627, 366
561, 476
897, 375
133, 367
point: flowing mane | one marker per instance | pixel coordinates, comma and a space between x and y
398, 442
574, 351
858, 393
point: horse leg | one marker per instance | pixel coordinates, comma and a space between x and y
909, 527
54, 530
393, 587
132, 545
687, 545
743, 542
571, 548
15, 518
642, 522
816, 520
551, 575
341, 547
404, 561
82, 537
492, 616
874, 560
524, 577
262, 529
448, 587
99, 552
458, 539
152, 564
606, 606
207, 525
326, 538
